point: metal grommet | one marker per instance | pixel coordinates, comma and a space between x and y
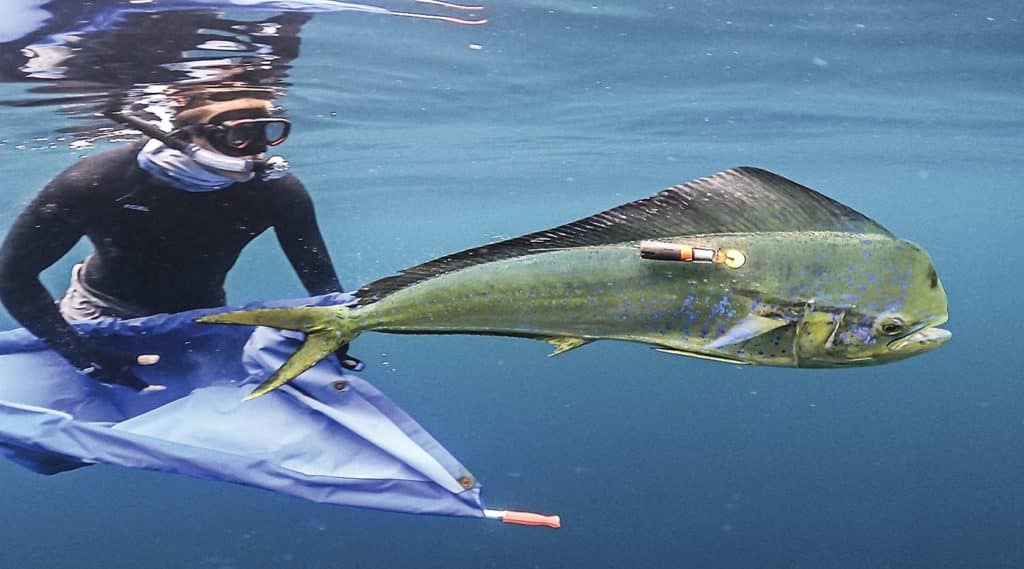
467, 481
340, 385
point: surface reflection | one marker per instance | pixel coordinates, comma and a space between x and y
90, 58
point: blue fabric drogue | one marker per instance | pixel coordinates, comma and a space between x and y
330, 436
178, 170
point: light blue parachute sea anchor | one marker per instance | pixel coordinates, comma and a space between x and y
330, 437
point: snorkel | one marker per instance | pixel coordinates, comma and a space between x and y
269, 168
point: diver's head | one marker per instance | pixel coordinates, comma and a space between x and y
239, 127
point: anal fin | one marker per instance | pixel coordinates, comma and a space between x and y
702, 356
563, 344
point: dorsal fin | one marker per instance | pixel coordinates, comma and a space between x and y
738, 200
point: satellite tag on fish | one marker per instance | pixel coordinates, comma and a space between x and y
744, 267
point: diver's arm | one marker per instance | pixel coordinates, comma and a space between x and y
43, 233
300, 238
299, 235
46, 230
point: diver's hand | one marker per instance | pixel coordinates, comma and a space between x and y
348, 361
116, 368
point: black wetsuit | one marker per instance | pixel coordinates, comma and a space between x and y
156, 247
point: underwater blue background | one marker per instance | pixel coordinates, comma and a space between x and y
419, 138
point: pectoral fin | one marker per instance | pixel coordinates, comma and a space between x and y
563, 344
750, 327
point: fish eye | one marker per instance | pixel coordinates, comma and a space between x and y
891, 325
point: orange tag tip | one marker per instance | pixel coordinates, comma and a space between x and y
531, 519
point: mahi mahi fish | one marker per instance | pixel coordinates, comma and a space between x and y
743, 266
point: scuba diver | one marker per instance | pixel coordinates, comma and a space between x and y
168, 217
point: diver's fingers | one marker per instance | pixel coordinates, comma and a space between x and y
148, 360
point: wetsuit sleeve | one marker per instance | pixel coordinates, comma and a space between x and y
43, 233
299, 235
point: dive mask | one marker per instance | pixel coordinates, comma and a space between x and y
246, 137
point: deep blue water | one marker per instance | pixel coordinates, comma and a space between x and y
419, 138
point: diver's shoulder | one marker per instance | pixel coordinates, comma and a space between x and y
283, 198
120, 155
285, 190
285, 184
108, 169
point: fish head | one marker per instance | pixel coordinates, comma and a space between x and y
894, 318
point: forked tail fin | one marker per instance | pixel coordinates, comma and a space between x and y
327, 328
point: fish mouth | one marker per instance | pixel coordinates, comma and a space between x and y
928, 336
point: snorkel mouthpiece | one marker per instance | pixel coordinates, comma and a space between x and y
217, 161
266, 169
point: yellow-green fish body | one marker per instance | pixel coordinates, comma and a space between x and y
610, 292
789, 278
